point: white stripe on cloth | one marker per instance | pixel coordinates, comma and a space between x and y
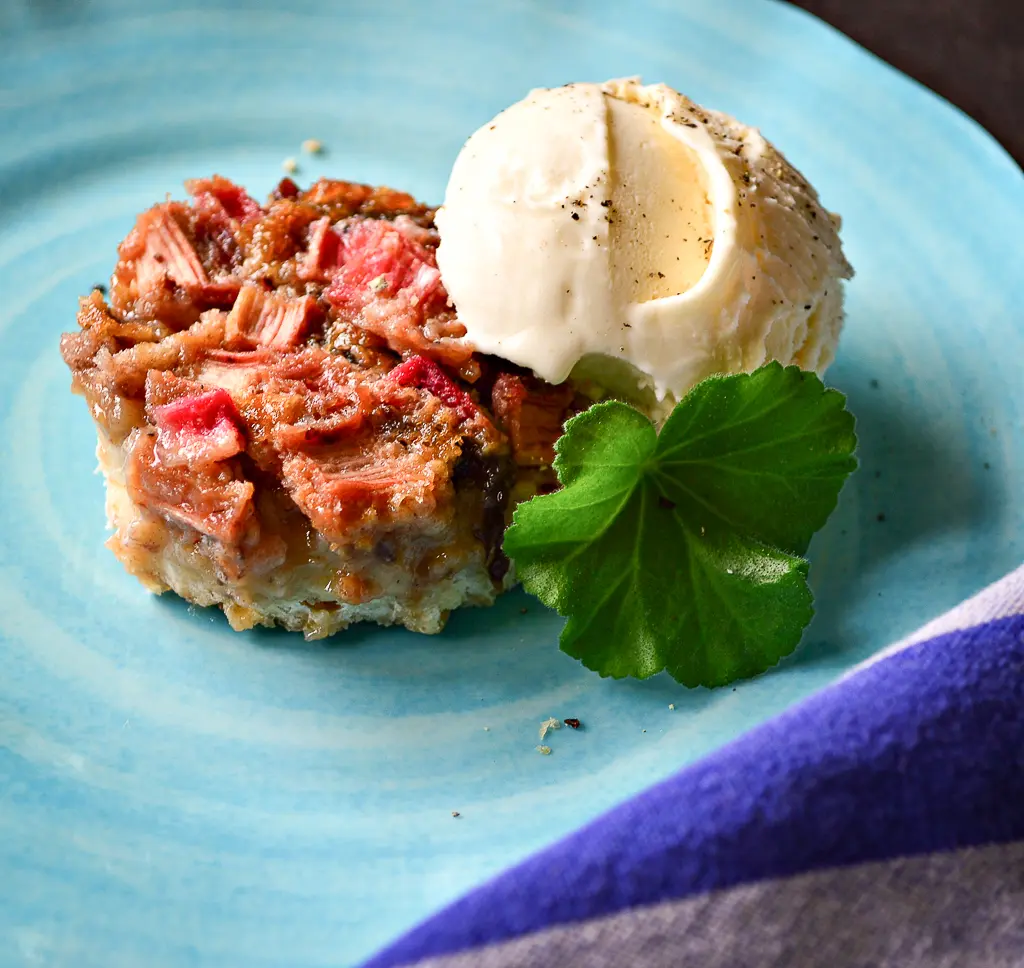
952, 910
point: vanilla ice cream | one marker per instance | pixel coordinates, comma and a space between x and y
623, 235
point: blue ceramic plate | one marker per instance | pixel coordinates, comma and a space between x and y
172, 793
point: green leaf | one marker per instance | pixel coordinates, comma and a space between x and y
679, 550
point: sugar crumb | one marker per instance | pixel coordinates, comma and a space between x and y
549, 723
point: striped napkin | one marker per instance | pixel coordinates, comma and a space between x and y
878, 823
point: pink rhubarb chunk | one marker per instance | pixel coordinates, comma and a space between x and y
324, 253
199, 429
236, 202
169, 255
381, 259
268, 319
418, 371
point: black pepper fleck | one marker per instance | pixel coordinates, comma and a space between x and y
881, 517
575, 216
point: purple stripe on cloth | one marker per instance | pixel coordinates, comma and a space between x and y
920, 752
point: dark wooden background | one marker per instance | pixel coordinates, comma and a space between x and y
969, 51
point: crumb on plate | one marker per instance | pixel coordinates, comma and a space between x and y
549, 723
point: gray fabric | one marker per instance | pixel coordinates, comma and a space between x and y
957, 910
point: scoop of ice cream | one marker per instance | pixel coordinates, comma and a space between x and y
622, 234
